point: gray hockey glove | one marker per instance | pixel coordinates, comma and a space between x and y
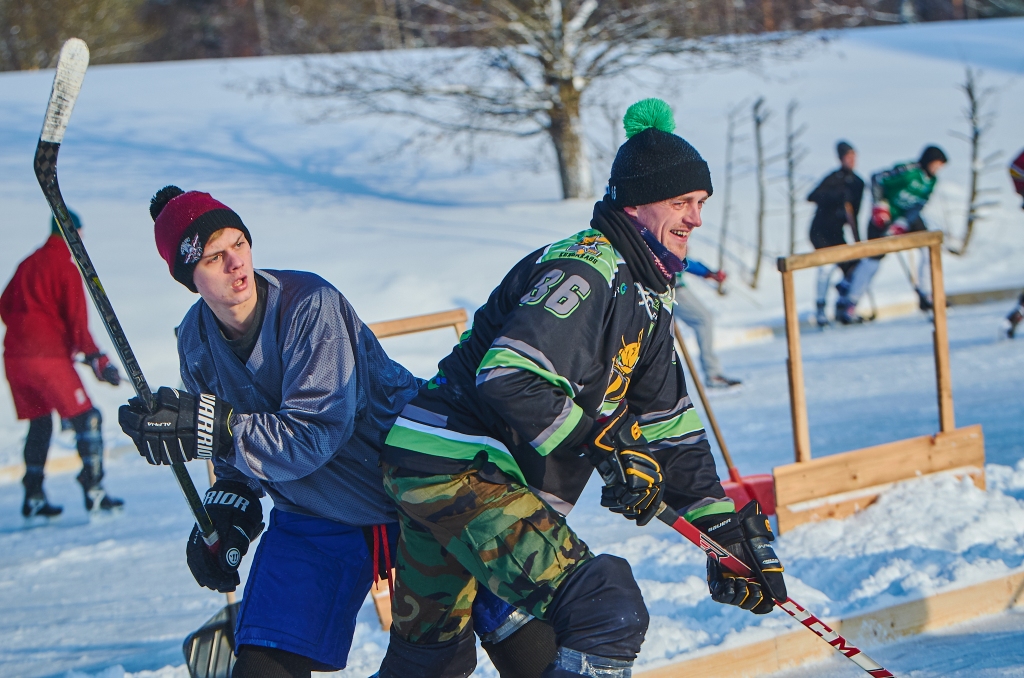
183, 426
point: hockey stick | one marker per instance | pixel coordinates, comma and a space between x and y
71, 66
668, 516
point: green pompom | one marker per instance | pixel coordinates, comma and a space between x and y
646, 114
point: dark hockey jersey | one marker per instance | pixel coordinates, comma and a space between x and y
571, 331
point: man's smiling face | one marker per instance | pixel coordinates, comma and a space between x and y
671, 221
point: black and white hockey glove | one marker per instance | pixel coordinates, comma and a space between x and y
183, 427
633, 480
238, 517
745, 535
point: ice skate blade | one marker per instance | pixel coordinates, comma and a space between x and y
32, 522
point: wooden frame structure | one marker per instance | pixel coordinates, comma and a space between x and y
838, 485
456, 319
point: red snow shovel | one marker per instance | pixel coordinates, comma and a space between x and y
741, 490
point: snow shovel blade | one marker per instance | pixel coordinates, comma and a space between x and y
742, 489
210, 650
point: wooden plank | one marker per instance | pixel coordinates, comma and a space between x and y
843, 505
795, 370
940, 337
421, 323
879, 465
54, 465
799, 646
867, 248
381, 592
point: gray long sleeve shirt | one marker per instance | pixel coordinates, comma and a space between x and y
312, 405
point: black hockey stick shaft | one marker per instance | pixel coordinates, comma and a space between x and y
70, 70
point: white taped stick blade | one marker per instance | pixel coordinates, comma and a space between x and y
71, 65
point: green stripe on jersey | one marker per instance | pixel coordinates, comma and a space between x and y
723, 506
676, 427
562, 432
590, 246
504, 357
445, 443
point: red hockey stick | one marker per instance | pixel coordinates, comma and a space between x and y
792, 608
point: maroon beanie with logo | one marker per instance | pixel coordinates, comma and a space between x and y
183, 222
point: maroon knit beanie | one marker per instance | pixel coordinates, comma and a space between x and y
183, 222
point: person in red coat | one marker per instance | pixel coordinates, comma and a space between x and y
43, 307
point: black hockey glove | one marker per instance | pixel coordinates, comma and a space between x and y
746, 535
238, 517
183, 427
632, 476
103, 368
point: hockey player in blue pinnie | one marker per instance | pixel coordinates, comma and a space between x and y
291, 395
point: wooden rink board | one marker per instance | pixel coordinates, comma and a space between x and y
842, 484
800, 646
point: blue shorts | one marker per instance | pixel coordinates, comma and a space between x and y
309, 577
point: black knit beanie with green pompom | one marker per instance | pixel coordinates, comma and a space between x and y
654, 164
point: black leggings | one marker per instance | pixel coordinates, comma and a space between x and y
267, 662
87, 428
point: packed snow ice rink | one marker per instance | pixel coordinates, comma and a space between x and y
402, 235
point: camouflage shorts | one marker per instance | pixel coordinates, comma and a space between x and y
458, 530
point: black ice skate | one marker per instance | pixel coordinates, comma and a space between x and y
820, 318
1014, 319
720, 381
924, 301
97, 499
37, 506
847, 314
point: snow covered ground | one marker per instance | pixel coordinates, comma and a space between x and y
402, 235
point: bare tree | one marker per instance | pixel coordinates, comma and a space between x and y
980, 119
759, 114
795, 153
731, 138
538, 59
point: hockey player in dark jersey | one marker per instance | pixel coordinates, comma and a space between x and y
838, 198
570, 365
898, 195
291, 395
1017, 176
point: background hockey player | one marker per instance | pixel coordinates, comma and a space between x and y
292, 395
569, 365
689, 309
43, 307
838, 198
898, 194
1017, 175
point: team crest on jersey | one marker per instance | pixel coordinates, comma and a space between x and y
622, 369
587, 246
191, 249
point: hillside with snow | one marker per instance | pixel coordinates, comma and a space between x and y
402, 234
